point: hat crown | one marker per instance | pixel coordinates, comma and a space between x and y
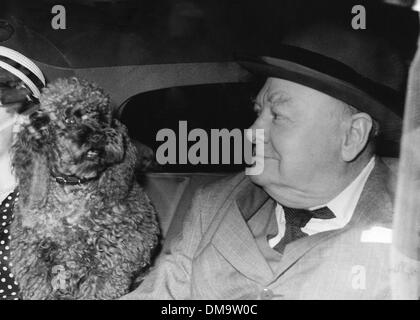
369, 55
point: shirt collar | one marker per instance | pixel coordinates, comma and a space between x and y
344, 204
253, 197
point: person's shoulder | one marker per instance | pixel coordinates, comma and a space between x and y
225, 186
211, 197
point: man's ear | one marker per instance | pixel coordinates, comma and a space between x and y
356, 135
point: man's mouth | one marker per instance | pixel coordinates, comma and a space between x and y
270, 157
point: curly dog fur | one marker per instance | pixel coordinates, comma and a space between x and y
83, 241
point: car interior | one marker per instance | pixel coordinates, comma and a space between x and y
188, 81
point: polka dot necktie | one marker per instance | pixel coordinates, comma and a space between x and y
296, 219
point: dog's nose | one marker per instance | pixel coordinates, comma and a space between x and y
96, 138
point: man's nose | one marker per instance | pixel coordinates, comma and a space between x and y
258, 132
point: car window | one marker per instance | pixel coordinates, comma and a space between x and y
212, 106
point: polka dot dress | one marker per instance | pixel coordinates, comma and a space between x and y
8, 285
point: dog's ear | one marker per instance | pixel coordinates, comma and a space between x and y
35, 134
29, 158
117, 180
30, 170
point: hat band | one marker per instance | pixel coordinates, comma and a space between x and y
34, 79
25, 79
335, 69
23, 61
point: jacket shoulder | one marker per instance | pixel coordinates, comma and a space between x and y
225, 184
214, 195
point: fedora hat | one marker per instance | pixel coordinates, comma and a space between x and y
353, 66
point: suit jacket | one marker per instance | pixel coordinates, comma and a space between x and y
217, 257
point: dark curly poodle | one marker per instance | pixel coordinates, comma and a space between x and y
83, 227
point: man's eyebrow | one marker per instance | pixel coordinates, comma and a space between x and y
278, 96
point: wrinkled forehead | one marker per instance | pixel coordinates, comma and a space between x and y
298, 96
274, 87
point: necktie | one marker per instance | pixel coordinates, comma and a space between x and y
296, 219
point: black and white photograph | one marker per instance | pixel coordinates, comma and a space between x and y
228, 152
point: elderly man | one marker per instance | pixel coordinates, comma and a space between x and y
315, 224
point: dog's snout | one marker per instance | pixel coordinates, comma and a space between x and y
96, 138
88, 134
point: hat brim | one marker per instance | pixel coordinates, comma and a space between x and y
390, 122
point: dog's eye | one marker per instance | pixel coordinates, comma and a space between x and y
69, 121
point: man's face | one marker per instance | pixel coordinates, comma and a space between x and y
303, 134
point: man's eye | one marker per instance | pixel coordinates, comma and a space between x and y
277, 116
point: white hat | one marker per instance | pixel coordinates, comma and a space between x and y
34, 80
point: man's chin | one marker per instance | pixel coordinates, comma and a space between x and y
262, 179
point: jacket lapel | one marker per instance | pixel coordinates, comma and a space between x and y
236, 243
374, 206
231, 236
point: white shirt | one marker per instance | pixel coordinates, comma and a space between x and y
342, 206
